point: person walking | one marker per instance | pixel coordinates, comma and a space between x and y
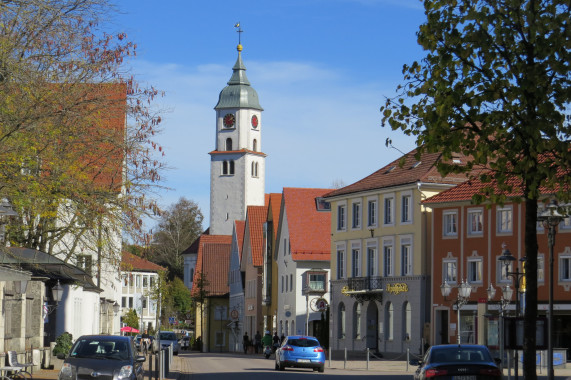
245, 342
145, 342
257, 342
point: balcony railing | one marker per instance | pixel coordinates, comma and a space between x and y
365, 283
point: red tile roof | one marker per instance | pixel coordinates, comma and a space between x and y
274, 209
411, 171
240, 226
215, 264
205, 240
255, 219
134, 263
309, 229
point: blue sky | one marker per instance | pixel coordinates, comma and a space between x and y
321, 69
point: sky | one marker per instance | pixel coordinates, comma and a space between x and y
321, 68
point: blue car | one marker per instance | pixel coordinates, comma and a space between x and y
301, 352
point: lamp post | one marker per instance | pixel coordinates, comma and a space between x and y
550, 218
57, 294
506, 259
464, 290
507, 293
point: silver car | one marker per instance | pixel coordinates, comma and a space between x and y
165, 339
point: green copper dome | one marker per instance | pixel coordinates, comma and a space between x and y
238, 93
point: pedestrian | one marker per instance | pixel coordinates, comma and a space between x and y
257, 342
245, 342
145, 342
282, 338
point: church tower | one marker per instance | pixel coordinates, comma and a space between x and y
237, 164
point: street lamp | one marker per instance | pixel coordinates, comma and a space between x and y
464, 290
550, 218
507, 293
506, 259
57, 294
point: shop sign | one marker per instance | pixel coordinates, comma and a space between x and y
397, 288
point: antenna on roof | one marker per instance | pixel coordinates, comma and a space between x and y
389, 144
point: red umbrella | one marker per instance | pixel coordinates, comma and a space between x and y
129, 329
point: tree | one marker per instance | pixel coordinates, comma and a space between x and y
179, 299
131, 319
179, 226
76, 173
494, 85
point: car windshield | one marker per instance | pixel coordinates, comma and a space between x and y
100, 349
303, 342
460, 354
167, 336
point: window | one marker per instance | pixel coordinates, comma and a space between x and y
540, 268
145, 281
255, 145
389, 210
138, 281
340, 263
389, 322
254, 169
356, 217
406, 209
144, 303
341, 218
449, 272
372, 213
225, 167
450, 220
356, 262
501, 271
357, 321
406, 257
286, 283
152, 280
228, 144
407, 321
565, 224
290, 282
85, 262
372, 260
130, 302
388, 259
317, 281
475, 222
231, 167
475, 270
565, 268
124, 302
341, 322
504, 220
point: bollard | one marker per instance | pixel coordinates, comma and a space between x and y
367, 358
345, 361
150, 366
407, 358
330, 349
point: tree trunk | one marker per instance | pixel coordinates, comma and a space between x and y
530, 316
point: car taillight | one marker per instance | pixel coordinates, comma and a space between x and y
491, 372
287, 348
433, 372
318, 349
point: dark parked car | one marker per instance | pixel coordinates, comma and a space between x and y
460, 362
105, 357
165, 339
302, 352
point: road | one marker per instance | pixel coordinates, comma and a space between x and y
205, 366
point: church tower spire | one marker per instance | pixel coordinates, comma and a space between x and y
237, 164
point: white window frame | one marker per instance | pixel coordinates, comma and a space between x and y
504, 218
389, 210
450, 223
341, 261
388, 257
477, 230
540, 268
450, 271
342, 216
356, 266
407, 258
565, 268
565, 224
356, 215
372, 212
477, 264
406, 207
372, 265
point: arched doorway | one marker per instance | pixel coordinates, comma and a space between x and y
372, 326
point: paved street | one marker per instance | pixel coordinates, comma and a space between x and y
206, 366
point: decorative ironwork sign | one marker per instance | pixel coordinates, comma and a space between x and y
397, 288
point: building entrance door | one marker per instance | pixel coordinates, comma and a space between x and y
372, 326
441, 323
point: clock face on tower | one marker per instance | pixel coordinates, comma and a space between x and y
229, 120
255, 121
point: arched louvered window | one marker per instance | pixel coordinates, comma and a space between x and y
228, 143
225, 167
255, 145
231, 167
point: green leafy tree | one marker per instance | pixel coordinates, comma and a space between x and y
63, 344
131, 318
179, 226
495, 86
181, 299
199, 295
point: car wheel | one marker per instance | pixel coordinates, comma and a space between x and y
321, 369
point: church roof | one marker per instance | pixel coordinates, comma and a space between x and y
238, 93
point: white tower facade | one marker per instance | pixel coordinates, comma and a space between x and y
237, 163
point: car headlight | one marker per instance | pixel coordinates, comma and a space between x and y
125, 371
65, 370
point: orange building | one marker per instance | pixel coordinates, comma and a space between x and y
467, 243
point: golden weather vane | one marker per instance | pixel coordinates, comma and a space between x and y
239, 31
